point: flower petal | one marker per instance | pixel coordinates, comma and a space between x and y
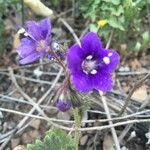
40, 30
81, 82
91, 44
26, 48
74, 58
102, 82
34, 29
45, 27
31, 58
114, 58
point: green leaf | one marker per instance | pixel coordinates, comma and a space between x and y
146, 36
115, 2
115, 23
137, 46
93, 28
120, 10
55, 139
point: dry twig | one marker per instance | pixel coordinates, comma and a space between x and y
34, 108
71, 31
113, 131
139, 83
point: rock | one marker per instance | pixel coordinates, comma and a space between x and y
15, 142
35, 123
20, 147
135, 64
63, 115
83, 140
26, 138
30, 136
140, 94
50, 111
124, 148
34, 134
108, 143
8, 148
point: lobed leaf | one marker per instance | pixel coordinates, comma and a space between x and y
55, 139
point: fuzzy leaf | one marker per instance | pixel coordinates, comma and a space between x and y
55, 139
116, 2
38, 7
115, 23
93, 28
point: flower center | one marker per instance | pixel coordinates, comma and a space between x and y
40, 45
89, 65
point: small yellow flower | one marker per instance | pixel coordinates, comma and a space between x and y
101, 23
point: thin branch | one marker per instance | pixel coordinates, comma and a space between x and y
110, 39
128, 127
21, 123
9, 99
113, 131
72, 122
28, 78
139, 83
23, 93
22, 11
97, 127
71, 31
28, 66
128, 73
35, 116
114, 125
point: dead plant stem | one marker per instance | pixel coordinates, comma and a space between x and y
137, 85
113, 131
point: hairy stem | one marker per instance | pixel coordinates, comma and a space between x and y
77, 119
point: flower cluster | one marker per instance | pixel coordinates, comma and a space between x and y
91, 65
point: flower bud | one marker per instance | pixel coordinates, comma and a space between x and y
63, 105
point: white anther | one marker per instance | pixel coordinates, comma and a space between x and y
89, 57
106, 60
110, 54
26, 34
21, 31
93, 71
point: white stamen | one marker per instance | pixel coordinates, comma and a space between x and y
85, 72
106, 60
93, 71
89, 57
110, 54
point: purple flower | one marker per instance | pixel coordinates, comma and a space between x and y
36, 41
91, 65
63, 105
